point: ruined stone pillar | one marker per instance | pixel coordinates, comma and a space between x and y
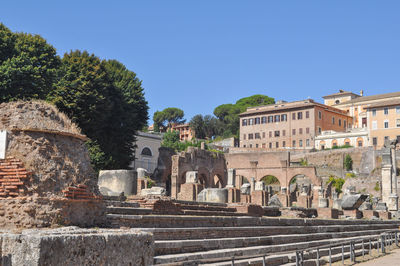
231, 178
389, 178
252, 184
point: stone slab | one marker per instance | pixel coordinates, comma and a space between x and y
114, 182
327, 213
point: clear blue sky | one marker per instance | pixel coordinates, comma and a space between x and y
196, 55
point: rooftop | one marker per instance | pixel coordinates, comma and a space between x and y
372, 98
341, 93
385, 103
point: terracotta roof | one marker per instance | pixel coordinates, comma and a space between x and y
385, 103
372, 97
285, 106
339, 94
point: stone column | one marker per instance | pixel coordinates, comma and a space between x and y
389, 178
252, 184
231, 178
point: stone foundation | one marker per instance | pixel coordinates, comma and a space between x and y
74, 246
327, 213
30, 212
355, 214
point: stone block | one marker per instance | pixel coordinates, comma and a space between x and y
355, 214
369, 214
244, 198
219, 195
385, 215
245, 189
271, 211
231, 177
153, 191
192, 177
189, 192
275, 201
322, 203
141, 173
259, 186
233, 195
327, 213
381, 206
353, 201
114, 182
259, 197
75, 246
250, 209
365, 206
303, 201
337, 204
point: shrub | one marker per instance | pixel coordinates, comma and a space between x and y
348, 162
377, 186
303, 162
337, 183
150, 182
350, 175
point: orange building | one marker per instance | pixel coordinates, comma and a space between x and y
291, 125
185, 132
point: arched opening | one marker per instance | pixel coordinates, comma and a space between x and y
360, 142
203, 179
337, 102
334, 143
146, 152
217, 182
168, 185
270, 180
322, 144
347, 142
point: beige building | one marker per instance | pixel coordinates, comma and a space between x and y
378, 113
357, 137
291, 125
146, 152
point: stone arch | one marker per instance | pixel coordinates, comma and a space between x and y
204, 177
217, 182
218, 174
146, 151
273, 181
307, 171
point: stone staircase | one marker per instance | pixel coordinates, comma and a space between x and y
213, 240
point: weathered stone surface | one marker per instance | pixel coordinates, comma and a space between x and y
156, 191
353, 201
245, 189
192, 177
274, 201
213, 195
74, 246
114, 182
260, 185
141, 173
365, 206
381, 206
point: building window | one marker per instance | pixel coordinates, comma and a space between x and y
244, 136
340, 122
374, 141
146, 151
374, 125
293, 131
301, 143
307, 130
263, 145
300, 131
294, 144
307, 114
256, 120
244, 145
373, 112
319, 115
386, 124
270, 134
256, 145
397, 109
277, 118
386, 111
284, 117
397, 122
270, 119
300, 115
344, 123
283, 144
333, 120
276, 134
319, 130
386, 138
244, 122
360, 143
251, 136
293, 116
263, 135
307, 142
251, 146
263, 120
270, 145
283, 133
277, 144
250, 121
257, 136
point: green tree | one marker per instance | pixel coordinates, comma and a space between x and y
170, 115
28, 66
106, 100
348, 162
171, 140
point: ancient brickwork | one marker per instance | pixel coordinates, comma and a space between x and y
13, 177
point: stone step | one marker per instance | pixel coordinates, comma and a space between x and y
211, 213
173, 221
206, 208
129, 210
115, 203
251, 231
165, 247
245, 251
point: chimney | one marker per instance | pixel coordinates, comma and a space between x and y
361, 93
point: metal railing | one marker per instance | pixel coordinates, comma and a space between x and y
381, 243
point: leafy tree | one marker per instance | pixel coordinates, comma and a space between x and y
229, 113
205, 126
106, 100
171, 140
28, 66
170, 116
348, 162
198, 126
337, 183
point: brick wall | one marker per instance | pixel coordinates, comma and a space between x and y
13, 178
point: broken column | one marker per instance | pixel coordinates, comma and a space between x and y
141, 180
233, 192
259, 195
191, 188
389, 178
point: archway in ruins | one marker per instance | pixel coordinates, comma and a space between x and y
168, 185
296, 183
273, 181
217, 182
